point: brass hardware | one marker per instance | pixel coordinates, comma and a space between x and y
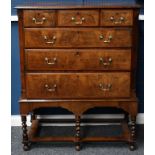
39, 22
101, 36
119, 21
52, 40
73, 18
102, 61
112, 18
78, 22
82, 18
122, 18
106, 41
105, 87
51, 89
50, 61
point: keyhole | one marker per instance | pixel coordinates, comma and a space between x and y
77, 53
78, 13
38, 14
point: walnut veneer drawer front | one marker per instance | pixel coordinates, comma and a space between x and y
81, 37
78, 18
39, 18
116, 17
78, 85
75, 59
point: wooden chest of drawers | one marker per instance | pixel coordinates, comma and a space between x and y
77, 58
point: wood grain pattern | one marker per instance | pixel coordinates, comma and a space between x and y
78, 63
39, 16
78, 85
81, 37
91, 17
113, 17
78, 60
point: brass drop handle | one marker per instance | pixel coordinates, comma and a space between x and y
78, 22
50, 61
101, 37
51, 89
105, 63
47, 41
119, 21
105, 87
39, 22
106, 41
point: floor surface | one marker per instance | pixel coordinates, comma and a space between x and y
69, 148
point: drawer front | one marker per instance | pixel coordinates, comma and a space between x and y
116, 17
82, 37
70, 59
39, 18
78, 18
78, 85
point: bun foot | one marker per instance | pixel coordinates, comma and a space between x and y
26, 147
132, 147
77, 147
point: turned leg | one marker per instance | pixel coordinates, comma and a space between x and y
33, 116
133, 133
77, 136
26, 144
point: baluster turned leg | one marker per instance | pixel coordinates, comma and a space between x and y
77, 136
26, 144
133, 133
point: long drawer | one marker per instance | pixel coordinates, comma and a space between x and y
75, 59
77, 37
77, 85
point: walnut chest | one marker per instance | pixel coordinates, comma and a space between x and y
78, 57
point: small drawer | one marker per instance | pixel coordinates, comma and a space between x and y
78, 18
77, 85
39, 18
116, 18
76, 59
79, 37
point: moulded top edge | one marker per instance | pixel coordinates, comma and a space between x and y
51, 5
